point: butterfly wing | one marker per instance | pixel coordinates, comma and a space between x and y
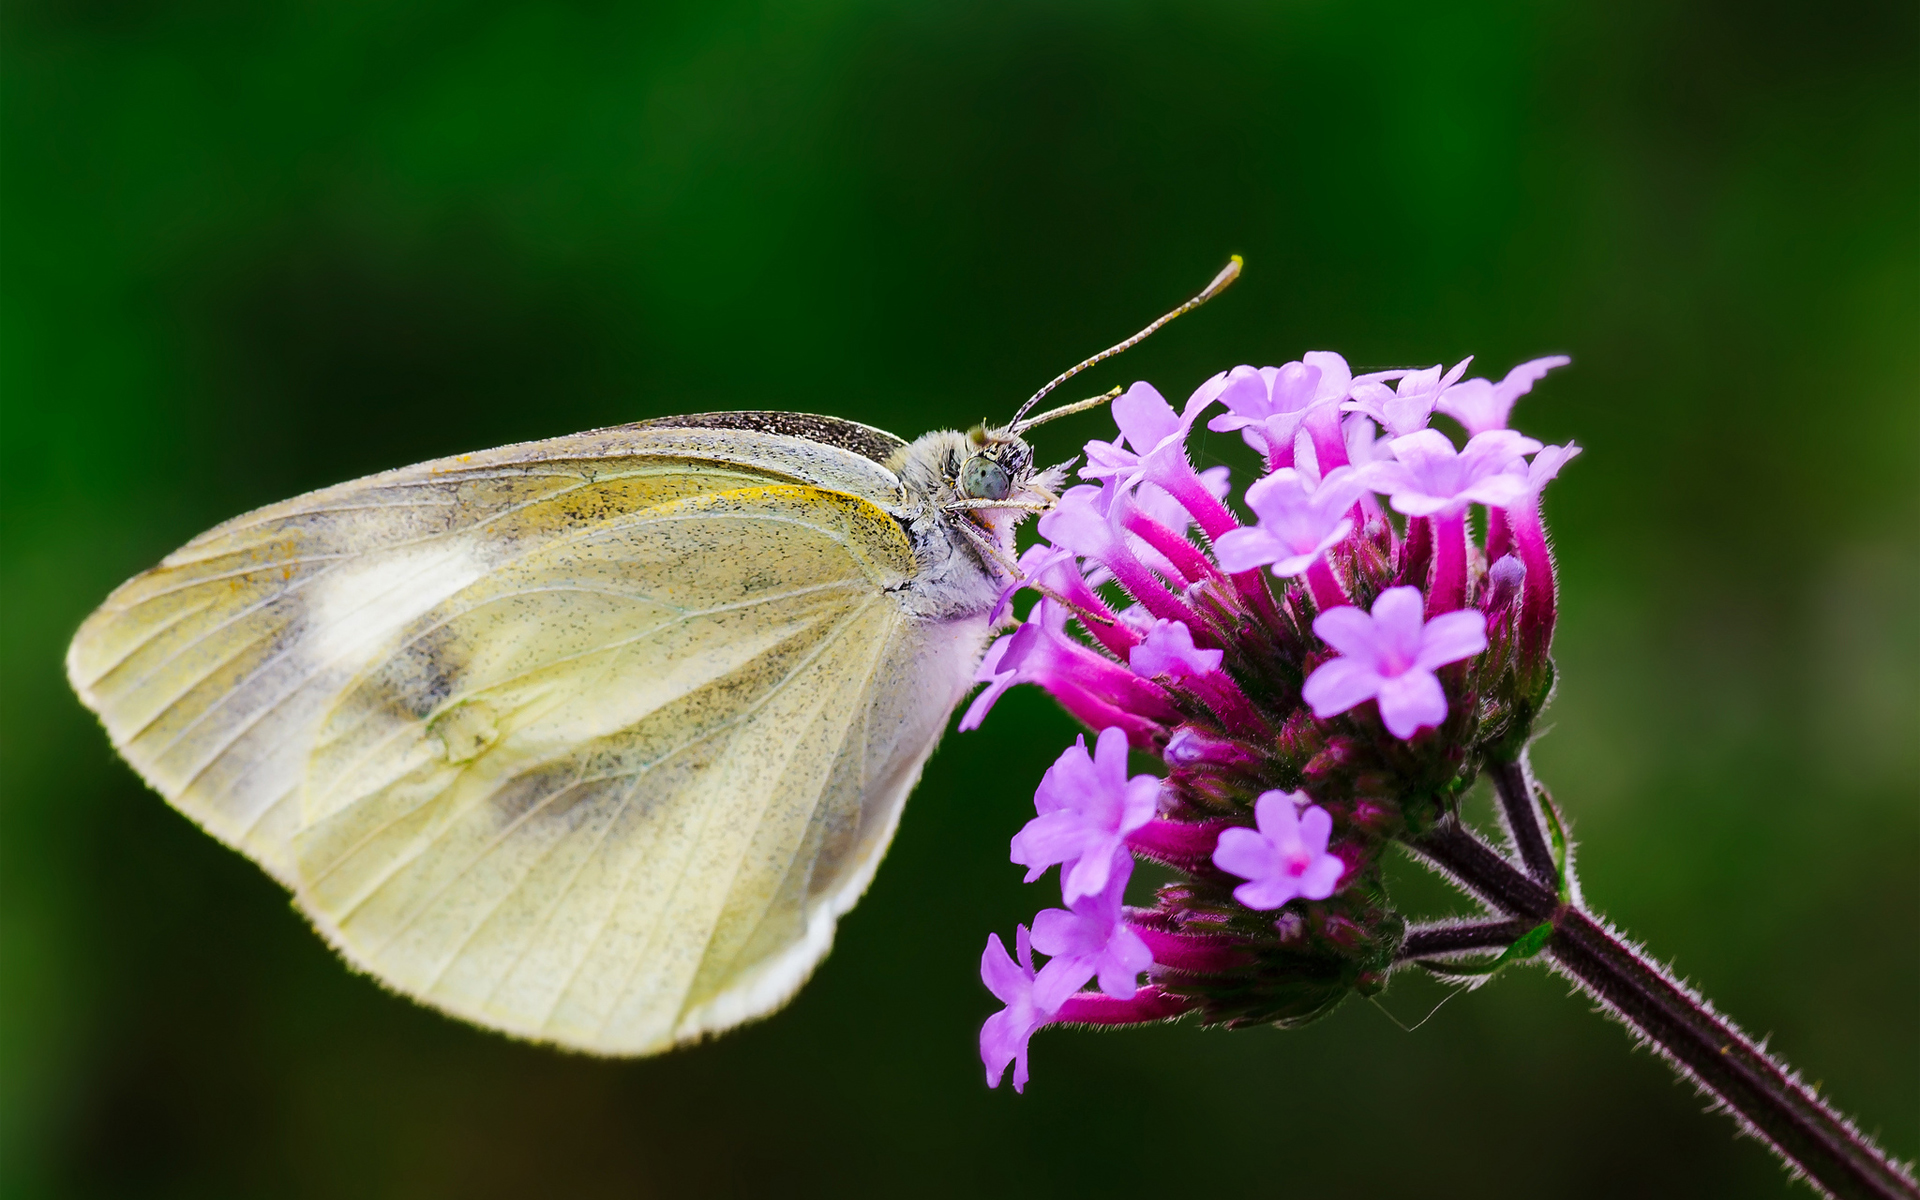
590, 741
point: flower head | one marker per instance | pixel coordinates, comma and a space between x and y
1087, 806
1159, 625
1390, 656
1287, 855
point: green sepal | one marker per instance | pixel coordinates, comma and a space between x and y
1526, 946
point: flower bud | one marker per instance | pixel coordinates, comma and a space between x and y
1504, 580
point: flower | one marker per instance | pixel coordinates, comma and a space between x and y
1148, 428
1544, 468
1087, 806
1090, 941
1286, 858
1363, 446
1480, 405
1429, 477
1404, 409
1298, 521
1003, 1039
1168, 651
1390, 656
1085, 682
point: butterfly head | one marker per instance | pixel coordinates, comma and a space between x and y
999, 463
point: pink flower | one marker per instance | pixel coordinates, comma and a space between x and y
1148, 428
1390, 656
1298, 521
1003, 1038
1544, 468
1078, 523
1168, 652
1480, 404
1087, 806
1407, 408
1429, 477
1272, 405
1089, 685
1286, 858
1159, 505
1091, 941
1104, 526
1363, 446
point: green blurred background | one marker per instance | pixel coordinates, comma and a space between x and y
251, 249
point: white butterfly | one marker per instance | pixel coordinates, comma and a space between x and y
588, 740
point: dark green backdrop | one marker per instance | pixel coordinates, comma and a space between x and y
254, 248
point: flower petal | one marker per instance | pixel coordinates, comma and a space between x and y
1059, 979
1264, 895
1316, 826
1049, 838
1349, 631
1277, 814
1410, 701
1000, 973
1320, 880
1451, 637
1145, 418
1245, 548
1339, 685
1243, 852
1397, 618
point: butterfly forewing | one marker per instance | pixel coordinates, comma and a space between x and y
591, 749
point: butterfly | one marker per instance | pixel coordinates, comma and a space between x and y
588, 740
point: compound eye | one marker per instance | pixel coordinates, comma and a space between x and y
981, 478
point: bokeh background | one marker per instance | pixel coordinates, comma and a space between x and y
255, 248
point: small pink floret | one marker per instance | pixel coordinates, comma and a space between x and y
1428, 477
1091, 940
1168, 652
1087, 807
1285, 857
1004, 1036
1390, 656
1299, 521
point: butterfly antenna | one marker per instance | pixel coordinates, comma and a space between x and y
1227, 275
1067, 410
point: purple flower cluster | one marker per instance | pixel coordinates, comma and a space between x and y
1316, 683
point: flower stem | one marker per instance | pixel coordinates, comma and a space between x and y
1765, 1096
1427, 941
1513, 781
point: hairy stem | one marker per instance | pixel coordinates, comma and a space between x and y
1764, 1095
1429, 941
1513, 781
